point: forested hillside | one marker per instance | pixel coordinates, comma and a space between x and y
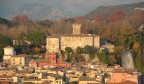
106, 10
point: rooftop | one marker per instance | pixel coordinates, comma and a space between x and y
21, 55
71, 35
42, 61
8, 47
124, 70
7, 69
24, 71
86, 78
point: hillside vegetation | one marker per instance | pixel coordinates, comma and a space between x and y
106, 10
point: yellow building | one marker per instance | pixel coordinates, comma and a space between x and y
22, 60
61, 41
7, 71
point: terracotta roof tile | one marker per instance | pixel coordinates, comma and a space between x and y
124, 70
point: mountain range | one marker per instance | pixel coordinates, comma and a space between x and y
38, 11
53, 9
106, 10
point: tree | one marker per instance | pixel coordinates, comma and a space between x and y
103, 56
22, 19
4, 41
89, 49
38, 38
79, 50
69, 50
37, 50
138, 58
136, 47
92, 55
99, 19
112, 59
116, 15
18, 49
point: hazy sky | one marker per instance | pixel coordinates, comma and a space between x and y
16, 3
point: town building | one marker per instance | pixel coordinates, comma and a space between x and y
51, 59
58, 42
7, 71
21, 42
21, 59
121, 75
8, 53
17, 42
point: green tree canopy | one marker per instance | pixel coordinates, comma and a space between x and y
4, 41
103, 56
79, 50
69, 50
89, 49
38, 38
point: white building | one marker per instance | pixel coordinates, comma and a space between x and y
8, 53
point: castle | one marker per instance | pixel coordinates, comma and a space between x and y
58, 42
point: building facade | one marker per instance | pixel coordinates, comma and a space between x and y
21, 60
122, 75
61, 41
51, 59
110, 47
8, 53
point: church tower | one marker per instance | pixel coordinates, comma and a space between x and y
76, 28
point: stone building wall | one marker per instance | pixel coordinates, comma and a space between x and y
60, 42
52, 44
75, 41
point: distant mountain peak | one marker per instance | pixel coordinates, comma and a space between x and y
38, 11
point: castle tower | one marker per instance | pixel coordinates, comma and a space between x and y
76, 28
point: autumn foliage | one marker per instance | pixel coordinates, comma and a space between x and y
22, 19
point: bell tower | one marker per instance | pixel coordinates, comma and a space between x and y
76, 28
